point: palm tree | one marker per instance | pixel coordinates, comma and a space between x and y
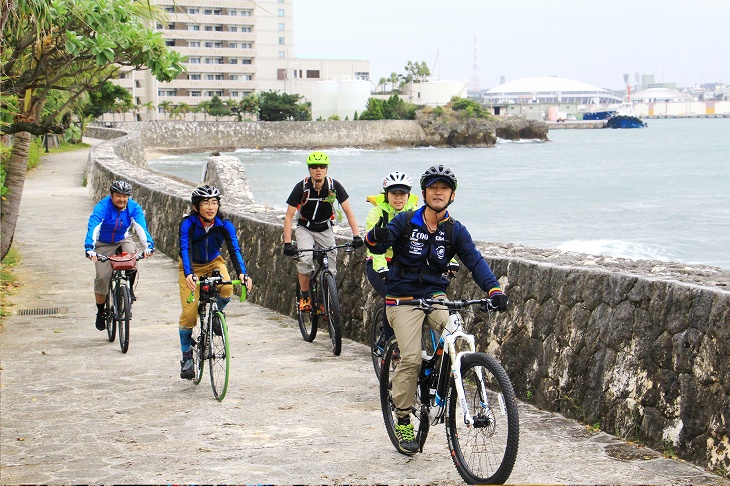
204, 106
165, 105
150, 107
381, 84
181, 110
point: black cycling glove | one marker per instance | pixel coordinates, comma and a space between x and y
357, 242
290, 249
382, 235
499, 300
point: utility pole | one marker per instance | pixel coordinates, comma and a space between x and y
475, 77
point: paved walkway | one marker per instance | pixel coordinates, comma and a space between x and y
74, 409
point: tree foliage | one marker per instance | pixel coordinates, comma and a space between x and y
394, 108
71, 46
103, 99
276, 106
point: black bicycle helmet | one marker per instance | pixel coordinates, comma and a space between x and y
205, 192
438, 172
122, 187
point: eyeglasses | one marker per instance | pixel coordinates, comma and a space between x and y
210, 203
317, 166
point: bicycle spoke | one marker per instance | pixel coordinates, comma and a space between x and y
219, 356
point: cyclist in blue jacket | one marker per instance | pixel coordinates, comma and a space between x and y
108, 234
423, 244
202, 234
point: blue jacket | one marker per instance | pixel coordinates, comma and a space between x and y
420, 258
199, 246
108, 224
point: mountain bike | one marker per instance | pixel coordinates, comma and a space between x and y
467, 390
325, 301
210, 335
118, 305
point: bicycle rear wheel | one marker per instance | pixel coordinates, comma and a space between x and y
486, 451
307, 320
125, 315
219, 357
332, 312
419, 411
198, 347
111, 321
377, 342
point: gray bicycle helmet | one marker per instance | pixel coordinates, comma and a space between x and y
436, 173
205, 192
397, 181
122, 187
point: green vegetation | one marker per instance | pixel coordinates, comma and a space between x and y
8, 280
394, 108
276, 106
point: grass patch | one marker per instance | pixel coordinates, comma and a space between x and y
8, 280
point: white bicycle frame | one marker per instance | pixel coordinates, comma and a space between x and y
452, 333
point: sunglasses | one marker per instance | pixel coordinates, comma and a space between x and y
317, 166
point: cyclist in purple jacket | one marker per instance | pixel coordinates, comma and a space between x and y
108, 234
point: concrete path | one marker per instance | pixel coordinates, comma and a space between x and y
74, 409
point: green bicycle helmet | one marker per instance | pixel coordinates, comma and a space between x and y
318, 158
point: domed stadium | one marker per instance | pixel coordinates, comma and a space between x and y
550, 90
660, 94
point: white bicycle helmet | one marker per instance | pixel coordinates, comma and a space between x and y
205, 192
397, 181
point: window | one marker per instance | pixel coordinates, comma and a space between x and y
170, 42
246, 45
232, 29
194, 77
170, 9
246, 13
214, 93
312, 74
282, 27
232, 45
194, 60
232, 13
219, 77
208, 11
361, 75
232, 61
218, 28
193, 11
247, 77
195, 93
193, 43
281, 74
281, 12
209, 28
282, 41
208, 44
194, 27
209, 77
234, 94
282, 54
246, 61
246, 29
233, 77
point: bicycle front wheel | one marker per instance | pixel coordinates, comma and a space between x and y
419, 410
198, 347
219, 357
332, 312
484, 452
377, 341
125, 315
111, 320
307, 321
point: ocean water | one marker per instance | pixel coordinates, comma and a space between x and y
658, 193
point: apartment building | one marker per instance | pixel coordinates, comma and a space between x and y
234, 48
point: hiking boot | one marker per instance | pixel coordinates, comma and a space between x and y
305, 305
406, 439
101, 320
187, 371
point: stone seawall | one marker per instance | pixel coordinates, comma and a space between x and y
640, 348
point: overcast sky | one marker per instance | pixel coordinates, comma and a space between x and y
594, 41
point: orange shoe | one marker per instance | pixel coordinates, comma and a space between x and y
305, 305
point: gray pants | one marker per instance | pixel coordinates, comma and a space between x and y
104, 270
308, 239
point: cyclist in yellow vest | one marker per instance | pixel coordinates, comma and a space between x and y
396, 197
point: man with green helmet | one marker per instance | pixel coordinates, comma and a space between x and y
313, 199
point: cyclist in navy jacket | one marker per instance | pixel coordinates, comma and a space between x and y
423, 244
108, 234
202, 234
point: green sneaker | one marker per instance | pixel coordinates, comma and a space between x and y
406, 439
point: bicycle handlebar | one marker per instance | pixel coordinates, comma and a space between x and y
427, 304
219, 281
102, 258
326, 249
